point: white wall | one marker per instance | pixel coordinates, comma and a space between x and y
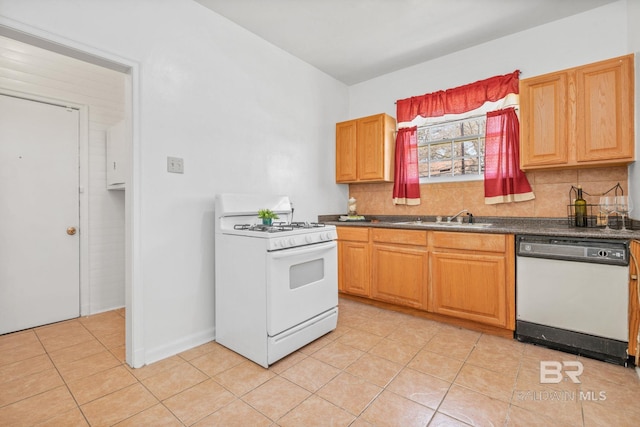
32, 71
243, 114
633, 16
595, 35
588, 37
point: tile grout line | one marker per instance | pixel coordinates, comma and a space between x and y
475, 344
64, 381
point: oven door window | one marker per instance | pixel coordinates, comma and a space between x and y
306, 273
301, 283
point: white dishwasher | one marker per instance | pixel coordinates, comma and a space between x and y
572, 294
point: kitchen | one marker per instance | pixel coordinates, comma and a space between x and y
173, 214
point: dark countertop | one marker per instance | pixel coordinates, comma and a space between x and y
499, 225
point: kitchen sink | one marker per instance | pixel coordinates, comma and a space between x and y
446, 224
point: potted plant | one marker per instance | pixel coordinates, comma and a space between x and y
267, 216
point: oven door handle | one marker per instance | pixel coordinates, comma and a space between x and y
318, 247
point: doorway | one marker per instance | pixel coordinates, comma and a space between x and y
56, 55
39, 241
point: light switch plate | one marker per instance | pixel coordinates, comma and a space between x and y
175, 165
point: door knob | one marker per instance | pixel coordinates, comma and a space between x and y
71, 231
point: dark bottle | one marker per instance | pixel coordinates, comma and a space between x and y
581, 209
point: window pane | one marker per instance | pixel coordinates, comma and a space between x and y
441, 168
434, 133
440, 151
466, 148
422, 136
452, 131
423, 154
423, 169
474, 127
465, 167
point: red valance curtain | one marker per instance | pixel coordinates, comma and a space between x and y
457, 100
406, 187
503, 180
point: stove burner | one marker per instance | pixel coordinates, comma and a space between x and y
306, 224
277, 226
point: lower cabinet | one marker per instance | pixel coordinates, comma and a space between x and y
354, 271
400, 263
473, 277
468, 276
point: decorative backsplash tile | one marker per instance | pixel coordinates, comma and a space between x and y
551, 189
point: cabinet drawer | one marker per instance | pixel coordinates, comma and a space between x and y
355, 234
470, 241
402, 237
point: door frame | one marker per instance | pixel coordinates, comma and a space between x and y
134, 290
83, 185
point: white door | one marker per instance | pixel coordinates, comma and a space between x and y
39, 214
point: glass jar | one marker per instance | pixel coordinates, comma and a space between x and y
352, 207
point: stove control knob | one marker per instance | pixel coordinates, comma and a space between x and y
292, 241
309, 239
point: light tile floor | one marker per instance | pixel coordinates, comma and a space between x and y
377, 368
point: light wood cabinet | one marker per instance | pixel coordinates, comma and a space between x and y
604, 111
472, 277
365, 149
580, 117
346, 154
465, 278
354, 269
400, 263
544, 136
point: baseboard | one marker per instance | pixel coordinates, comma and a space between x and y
178, 346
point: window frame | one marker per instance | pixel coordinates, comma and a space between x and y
481, 141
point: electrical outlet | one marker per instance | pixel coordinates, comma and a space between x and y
175, 165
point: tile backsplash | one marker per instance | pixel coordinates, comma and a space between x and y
551, 189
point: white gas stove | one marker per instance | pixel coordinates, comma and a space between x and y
276, 286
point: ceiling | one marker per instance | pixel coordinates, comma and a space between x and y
356, 40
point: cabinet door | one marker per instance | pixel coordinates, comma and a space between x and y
604, 111
116, 156
370, 148
400, 274
346, 153
353, 268
470, 286
544, 121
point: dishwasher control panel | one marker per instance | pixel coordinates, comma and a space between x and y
614, 252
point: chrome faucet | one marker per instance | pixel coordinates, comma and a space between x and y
451, 218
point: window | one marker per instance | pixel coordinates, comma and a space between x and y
452, 150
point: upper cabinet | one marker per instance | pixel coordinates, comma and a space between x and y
578, 117
365, 149
117, 156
